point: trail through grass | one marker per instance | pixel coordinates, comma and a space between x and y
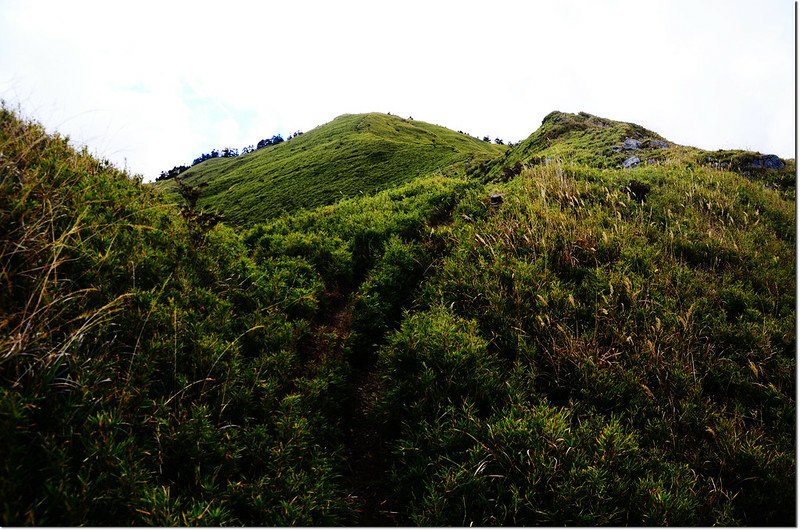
604, 346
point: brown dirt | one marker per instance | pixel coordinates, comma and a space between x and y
366, 455
364, 448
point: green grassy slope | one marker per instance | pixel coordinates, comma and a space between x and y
601, 352
351, 155
598, 142
158, 369
581, 139
607, 346
149, 366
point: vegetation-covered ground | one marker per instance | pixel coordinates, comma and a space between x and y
355, 154
587, 140
606, 346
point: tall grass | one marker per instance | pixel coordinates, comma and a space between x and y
149, 376
663, 324
606, 346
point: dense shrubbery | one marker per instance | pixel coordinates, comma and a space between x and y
621, 362
604, 347
148, 378
384, 293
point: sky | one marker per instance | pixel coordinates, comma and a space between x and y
152, 84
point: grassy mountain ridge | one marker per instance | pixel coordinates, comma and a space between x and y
600, 142
582, 139
351, 155
605, 346
363, 153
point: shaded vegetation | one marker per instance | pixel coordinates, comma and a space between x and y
584, 357
150, 377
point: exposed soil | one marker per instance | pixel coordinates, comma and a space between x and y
330, 331
365, 469
366, 456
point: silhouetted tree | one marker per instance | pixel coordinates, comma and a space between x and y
206, 156
275, 140
174, 172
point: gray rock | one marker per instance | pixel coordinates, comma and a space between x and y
630, 143
616, 149
631, 162
658, 144
495, 200
768, 162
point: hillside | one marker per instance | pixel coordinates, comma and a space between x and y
566, 343
602, 143
349, 156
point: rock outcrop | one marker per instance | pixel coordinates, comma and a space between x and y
631, 162
767, 162
631, 143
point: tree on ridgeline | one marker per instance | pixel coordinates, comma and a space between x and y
275, 140
227, 152
206, 156
174, 172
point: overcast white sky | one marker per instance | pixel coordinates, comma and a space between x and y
152, 84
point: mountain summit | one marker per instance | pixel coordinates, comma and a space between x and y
352, 155
360, 154
602, 143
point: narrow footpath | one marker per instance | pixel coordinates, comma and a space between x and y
365, 467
